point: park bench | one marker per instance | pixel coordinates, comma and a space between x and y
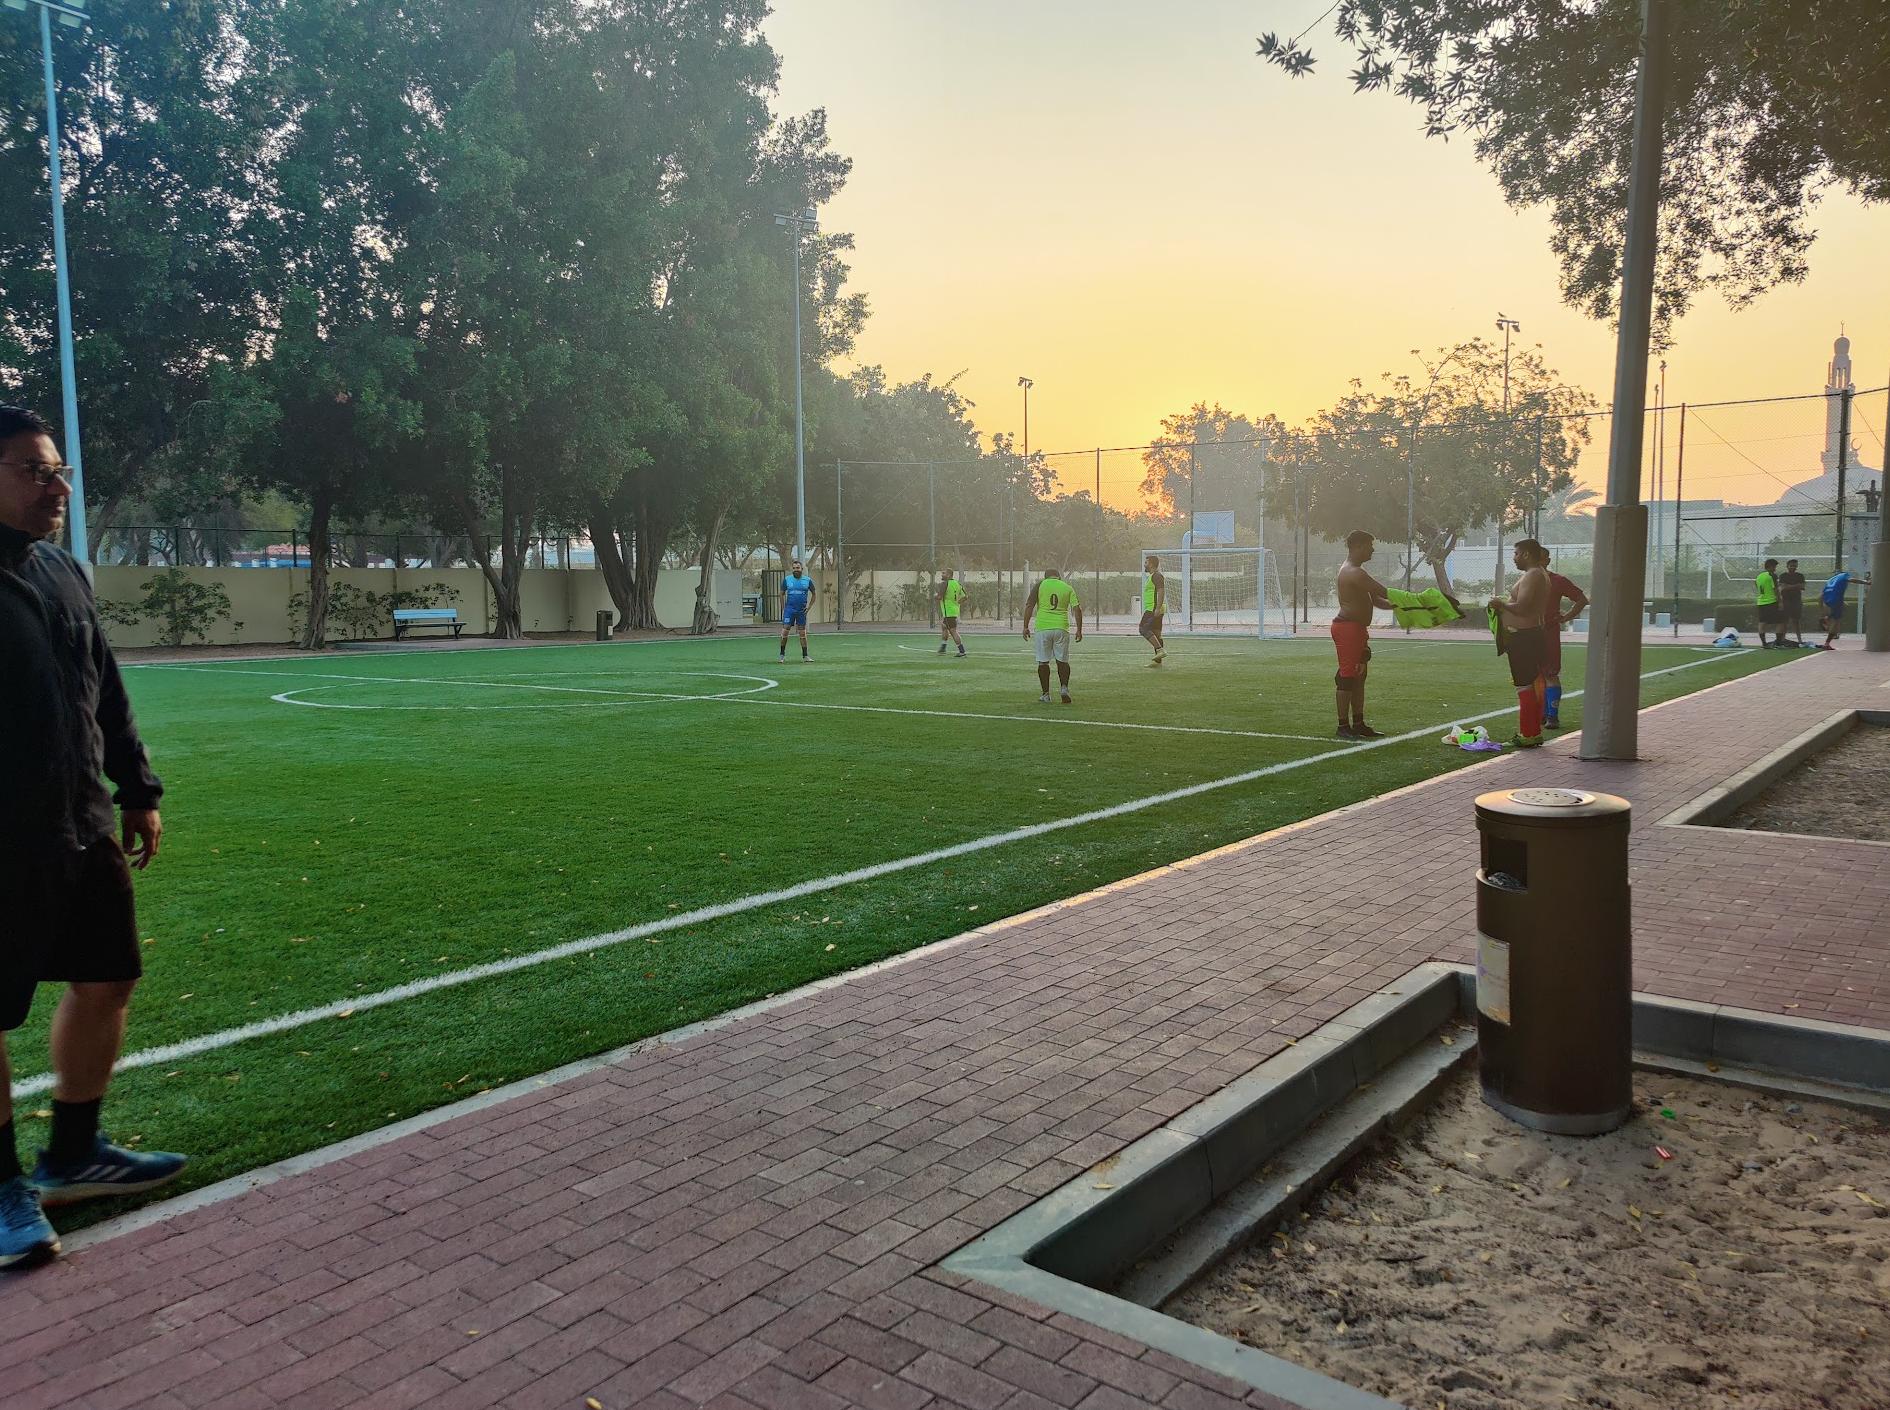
407, 618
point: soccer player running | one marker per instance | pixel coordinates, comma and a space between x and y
1791, 601
1561, 590
1154, 606
951, 599
1765, 589
1525, 638
797, 595
1048, 613
1359, 592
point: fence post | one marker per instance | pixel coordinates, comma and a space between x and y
1099, 537
839, 549
1679, 484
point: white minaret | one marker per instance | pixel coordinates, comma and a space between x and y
1837, 379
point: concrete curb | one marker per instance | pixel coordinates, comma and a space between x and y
1123, 1238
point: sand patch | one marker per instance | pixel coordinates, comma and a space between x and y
1475, 1265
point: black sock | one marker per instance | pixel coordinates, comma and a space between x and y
9, 1153
74, 1131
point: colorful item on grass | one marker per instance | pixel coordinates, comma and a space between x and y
1473, 738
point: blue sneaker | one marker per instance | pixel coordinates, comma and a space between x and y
25, 1236
108, 1170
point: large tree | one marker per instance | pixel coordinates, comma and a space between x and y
161, 137
1446, 437
1772, 102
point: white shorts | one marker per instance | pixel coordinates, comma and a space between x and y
1053, 645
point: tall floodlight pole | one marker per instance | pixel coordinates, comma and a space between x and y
1410, 461
801, 225
1877, 624
1611, 706
70, 13
1011, 498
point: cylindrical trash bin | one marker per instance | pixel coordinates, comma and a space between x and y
603, 626
1554, 959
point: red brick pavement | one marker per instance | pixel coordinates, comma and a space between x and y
753, 1217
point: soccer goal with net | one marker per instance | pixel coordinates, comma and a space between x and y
1225, 588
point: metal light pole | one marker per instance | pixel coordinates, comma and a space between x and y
1410, 462
800, 224
1611, 706
1011, 499
1507, 325
70, 13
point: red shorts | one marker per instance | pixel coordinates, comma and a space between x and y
1351, 639
1552, 654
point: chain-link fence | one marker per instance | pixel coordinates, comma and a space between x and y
1727, 485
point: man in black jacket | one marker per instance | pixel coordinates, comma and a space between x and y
65, 877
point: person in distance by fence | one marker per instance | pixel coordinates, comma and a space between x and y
1048, 614
1561, 590
64, 873
1765, 591
951, 601
1154, 607
1791, 602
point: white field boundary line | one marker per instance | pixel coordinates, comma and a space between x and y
287, 698
702, 915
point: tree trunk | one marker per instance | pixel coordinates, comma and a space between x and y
704, 620
648, 541
1499, 559
609, 557
515, 521
315, 629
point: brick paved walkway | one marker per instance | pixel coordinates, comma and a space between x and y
752, 1217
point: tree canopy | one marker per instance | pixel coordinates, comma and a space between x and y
1772, 103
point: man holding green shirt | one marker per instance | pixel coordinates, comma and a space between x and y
1047, 619
1770, 614
951, 599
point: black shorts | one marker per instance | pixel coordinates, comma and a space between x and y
1151, 624
74, 921
1792, 609
1528, 651
1770, 612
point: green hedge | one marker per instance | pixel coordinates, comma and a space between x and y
1743, 613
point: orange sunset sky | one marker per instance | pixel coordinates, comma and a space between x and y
1119, 200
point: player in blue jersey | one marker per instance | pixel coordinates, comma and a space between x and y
1836, 587
797, 595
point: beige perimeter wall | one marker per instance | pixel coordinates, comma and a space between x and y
551, 599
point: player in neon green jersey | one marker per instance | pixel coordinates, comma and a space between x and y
1048, 615
951, 600
1154, 605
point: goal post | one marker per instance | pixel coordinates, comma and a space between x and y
1229, 590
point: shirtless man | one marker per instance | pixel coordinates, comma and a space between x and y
1524, 640
1359, 593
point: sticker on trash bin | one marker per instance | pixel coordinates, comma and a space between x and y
1492, 978
1550, 797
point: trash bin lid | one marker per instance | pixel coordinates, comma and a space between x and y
1552, 806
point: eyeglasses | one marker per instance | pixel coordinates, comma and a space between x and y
44, 472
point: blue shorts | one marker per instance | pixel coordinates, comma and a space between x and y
794, 616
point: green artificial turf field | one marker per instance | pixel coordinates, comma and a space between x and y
340, 826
